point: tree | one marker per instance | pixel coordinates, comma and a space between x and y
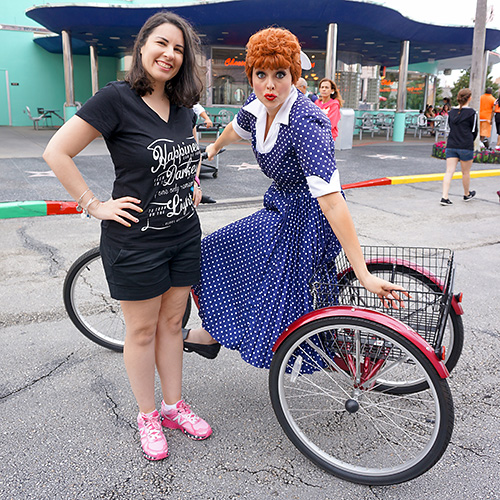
464, 81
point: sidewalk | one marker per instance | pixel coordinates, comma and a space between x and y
25, 177
25, 142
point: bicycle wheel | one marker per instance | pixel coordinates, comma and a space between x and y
89, 305
417, 283
323, 387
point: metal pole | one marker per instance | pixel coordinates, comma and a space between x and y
486, 61
476, 72
68, 69
94, 69
331, 52
403, 76
426, 90
209, 77
7, 83
398, 134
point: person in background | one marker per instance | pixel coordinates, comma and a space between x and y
463, 125
302, 86
150, 231
496, 111
430, 114
200, 111
444, 110
330, 102
446, 103
486, 107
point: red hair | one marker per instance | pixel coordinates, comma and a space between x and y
273, 48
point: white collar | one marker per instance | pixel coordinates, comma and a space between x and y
258, 109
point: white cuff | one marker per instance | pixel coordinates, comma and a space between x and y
245, 135
320, 187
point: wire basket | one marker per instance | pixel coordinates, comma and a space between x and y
425, 273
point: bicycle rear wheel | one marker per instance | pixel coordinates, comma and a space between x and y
323, 387
89, 305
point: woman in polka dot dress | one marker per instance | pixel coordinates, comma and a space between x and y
255, 272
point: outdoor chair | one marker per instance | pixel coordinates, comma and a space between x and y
422, 125
385, 122
441, 127
224, 117
367, 125
35, 119
411, 123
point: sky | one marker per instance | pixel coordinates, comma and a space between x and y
446, 13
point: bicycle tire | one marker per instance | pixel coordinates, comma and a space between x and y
453, 338
89, 305
389, 438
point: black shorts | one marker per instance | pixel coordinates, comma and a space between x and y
144, 274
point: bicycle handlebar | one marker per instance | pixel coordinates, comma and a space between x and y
204, 155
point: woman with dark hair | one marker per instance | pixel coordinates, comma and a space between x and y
256, 271
330, 102
150, 232
463, 123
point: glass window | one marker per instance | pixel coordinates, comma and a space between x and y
317, 72
229, 82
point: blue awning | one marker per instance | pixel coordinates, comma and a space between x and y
372, 33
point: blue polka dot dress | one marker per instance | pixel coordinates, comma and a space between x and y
256, 271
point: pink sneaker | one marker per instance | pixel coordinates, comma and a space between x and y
184, 419
153, 442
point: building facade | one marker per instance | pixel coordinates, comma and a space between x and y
32, 74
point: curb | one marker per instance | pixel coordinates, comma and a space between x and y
410, 179
11, 210
16, 209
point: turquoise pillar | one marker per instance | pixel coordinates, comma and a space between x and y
398, 133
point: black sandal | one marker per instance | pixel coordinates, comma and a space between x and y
209, 351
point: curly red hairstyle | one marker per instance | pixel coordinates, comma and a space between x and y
273, 48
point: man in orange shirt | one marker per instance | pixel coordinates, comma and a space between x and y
486, 115
496, 112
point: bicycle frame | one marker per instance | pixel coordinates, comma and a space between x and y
378, 317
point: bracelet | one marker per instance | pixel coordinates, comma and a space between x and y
197, 180
86, 208
79, 208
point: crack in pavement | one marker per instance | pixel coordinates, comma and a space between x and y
481, 245
465, 448
50, 253
271, 471
33, 382
375, 494
114, 407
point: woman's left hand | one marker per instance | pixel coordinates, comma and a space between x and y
389, 293
197, 194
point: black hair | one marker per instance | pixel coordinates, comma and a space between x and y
185, 88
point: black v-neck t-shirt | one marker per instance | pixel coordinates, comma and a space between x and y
155, 161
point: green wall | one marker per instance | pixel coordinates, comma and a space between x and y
38, 75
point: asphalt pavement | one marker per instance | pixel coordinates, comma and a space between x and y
68, 416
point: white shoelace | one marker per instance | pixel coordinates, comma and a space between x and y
153, 428
186, 415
